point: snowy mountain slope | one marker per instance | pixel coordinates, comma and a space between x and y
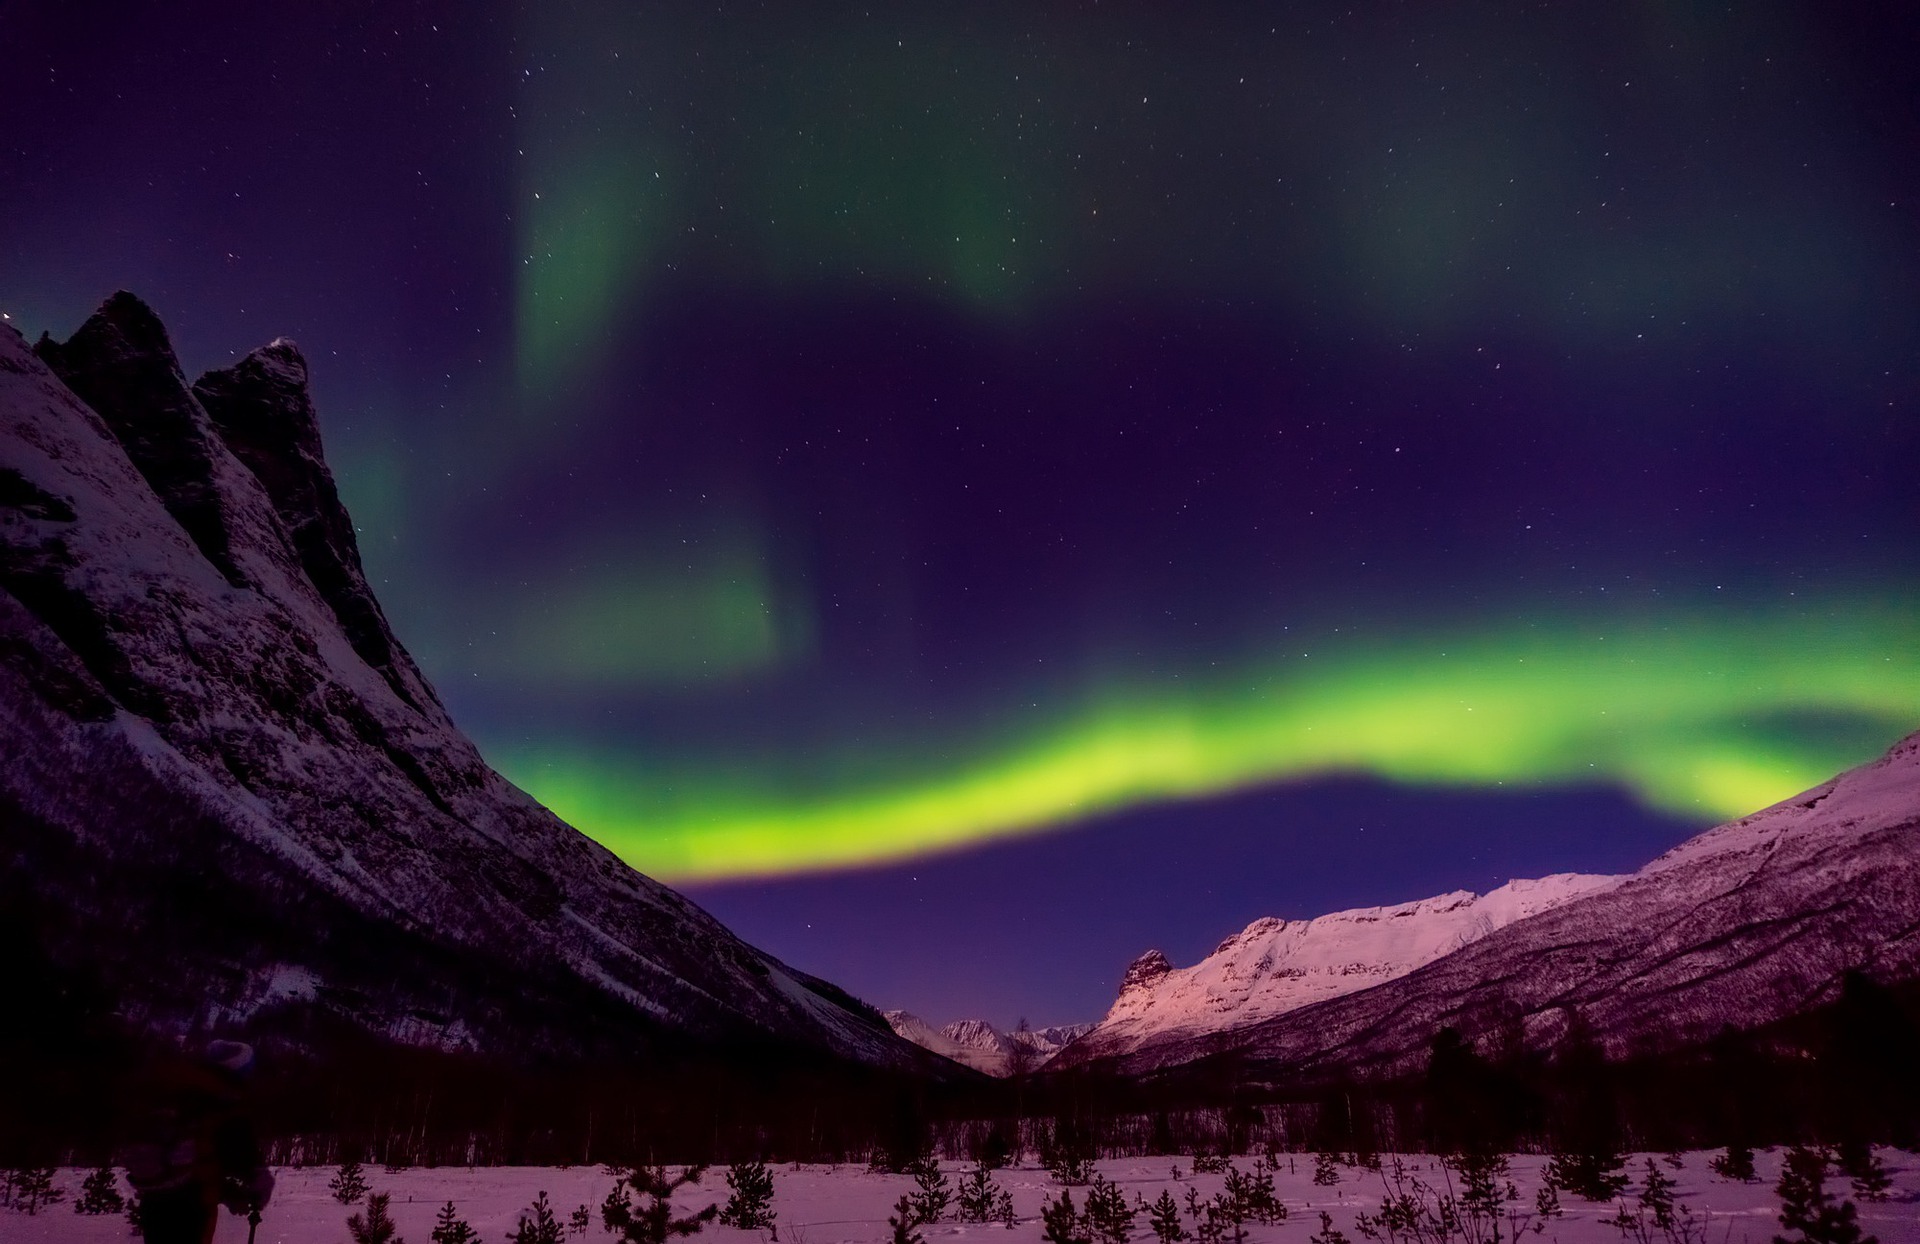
229, 793
1274, 966
979, 1045
1745, 924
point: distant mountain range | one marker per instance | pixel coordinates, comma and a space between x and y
1275, 966
979, 1045
1747, 924
230, 801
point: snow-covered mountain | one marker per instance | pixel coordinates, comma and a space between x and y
1274, 966
1751, 922
981, 1046
230, 796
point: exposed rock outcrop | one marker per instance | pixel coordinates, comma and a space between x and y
230, 796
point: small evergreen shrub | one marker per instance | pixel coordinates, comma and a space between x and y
376, 1225
1060, 1222
932, 1193
639, 1209
100, 1194
902, 1223
1597, 1174
1163, 1219
1807, 1208
538, 1224
33, 1189
1107, 1216
749, 1197
450, 1228
1735, 1164
349, 1183
980, 1199
1858, 1163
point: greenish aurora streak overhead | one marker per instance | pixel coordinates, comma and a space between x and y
1484, 187
1702, 716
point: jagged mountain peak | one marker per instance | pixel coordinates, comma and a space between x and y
199, 697
978, 1044
1145, 970
125, 326
263, 409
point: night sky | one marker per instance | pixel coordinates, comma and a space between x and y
972, 495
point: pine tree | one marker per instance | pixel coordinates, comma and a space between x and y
1598, 1174
580, 1221
1327, 1234
33, 1189
1808, 1208
1325, 1172
650, 1220
933, 1195
1857, 1162
100, 1194
538, 1224
1061, 1223
1164, 1219
982, 1200
1107, 1215
1252, 1196
1735, 1164
750, 1197
450, 1228
376, 1227
903, 1223
1485, 1187
1656, 1196
349, 1183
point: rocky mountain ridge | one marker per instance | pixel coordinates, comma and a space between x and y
230, 797
1741, 926
978, 1044
1274, 966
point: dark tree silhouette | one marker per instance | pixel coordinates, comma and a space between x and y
750, 1200
1808, 1209
450, 1228
376, 1225
639, 1209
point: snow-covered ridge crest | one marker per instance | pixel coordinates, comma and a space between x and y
978, 1044
1273, 966
1752, 922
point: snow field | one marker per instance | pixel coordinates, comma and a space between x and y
818, 1204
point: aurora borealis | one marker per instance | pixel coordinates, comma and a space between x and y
1680, 715
825, 437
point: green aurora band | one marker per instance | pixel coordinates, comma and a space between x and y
1706, 718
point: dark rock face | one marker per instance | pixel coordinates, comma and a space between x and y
122, 364
230, 799
265, 414
1149, 967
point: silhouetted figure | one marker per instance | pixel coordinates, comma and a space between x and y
195, 1149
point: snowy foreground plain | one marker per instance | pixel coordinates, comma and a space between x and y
849, 1205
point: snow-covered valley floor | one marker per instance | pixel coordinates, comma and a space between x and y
848, 1205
